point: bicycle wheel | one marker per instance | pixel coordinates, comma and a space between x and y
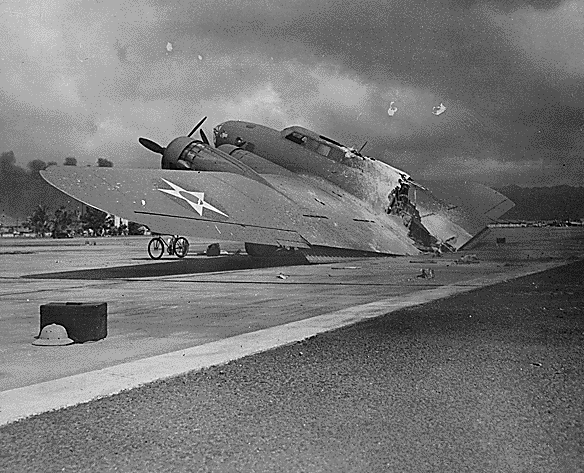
156, 248
181, 247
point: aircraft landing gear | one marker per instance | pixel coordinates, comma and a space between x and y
259, 250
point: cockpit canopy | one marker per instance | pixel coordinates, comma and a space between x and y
313, 142
334, 150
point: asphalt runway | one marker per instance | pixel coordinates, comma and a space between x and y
173, 317
489, 380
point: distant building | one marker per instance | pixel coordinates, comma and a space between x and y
118, 221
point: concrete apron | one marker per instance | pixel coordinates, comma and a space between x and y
81, 388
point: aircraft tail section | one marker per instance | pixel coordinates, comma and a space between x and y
456, 211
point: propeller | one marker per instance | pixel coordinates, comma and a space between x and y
151, 145
204, 138
171, 159
197, 127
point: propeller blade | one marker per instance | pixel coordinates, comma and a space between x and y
151, 145
204, 138
197, 127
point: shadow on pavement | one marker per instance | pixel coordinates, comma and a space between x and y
176, 267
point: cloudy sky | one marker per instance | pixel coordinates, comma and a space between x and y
86, 78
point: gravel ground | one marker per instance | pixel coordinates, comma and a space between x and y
492, 380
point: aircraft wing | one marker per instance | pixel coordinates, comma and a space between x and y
226, 206
212, 205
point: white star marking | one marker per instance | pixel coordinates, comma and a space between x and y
195, 199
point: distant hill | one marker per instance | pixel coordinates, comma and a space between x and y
544, 203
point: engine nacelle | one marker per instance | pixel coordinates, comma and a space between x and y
186, 154
198, 156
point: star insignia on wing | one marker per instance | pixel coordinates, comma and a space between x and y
195, 199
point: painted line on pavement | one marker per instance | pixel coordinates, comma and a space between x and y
23, 402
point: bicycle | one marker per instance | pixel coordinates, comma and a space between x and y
176, 245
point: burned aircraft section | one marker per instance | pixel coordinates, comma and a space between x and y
402, 206
376, 173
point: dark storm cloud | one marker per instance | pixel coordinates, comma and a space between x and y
100, 74
450, 50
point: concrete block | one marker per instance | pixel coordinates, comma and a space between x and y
84, 321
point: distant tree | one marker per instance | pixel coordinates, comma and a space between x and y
35, 166
51, 163
70, 162
7, 160
39, 221
61, 222
104, 163
96, 220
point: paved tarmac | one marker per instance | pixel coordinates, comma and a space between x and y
163, 306
489, 380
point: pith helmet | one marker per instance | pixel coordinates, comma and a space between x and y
53, 335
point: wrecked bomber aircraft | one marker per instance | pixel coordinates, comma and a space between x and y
285, 190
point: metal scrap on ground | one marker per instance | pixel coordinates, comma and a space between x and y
468, 259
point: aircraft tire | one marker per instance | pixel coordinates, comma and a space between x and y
156, 248
259, 250
181, 247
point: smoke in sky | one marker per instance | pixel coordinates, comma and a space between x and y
22, 189
86, 79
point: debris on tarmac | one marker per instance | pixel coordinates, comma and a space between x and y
426, 273
213, 250
468, 259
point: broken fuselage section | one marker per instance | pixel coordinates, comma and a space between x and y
384, 189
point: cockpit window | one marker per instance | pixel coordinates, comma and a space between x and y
309, 143
296, 138
324, 150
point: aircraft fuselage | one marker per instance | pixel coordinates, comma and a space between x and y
450, 219
305, 153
